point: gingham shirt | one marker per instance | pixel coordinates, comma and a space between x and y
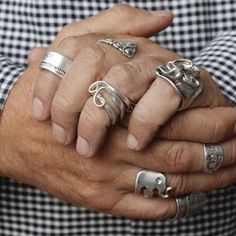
203, 30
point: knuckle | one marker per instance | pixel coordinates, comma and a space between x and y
218, 130
61, 107
180, 184
231, 149
121, 10
223, 181
168, 90
141, 120
67, 29
69, 42
163, 213
92, 118
176, 156
93, 54
124, 72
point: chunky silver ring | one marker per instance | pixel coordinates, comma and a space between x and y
56, 63
189, 205
127, 48
184, 76
113, 101
213, 157
151, 184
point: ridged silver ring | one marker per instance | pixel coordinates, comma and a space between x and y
189, 205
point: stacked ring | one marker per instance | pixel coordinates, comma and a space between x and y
113, 101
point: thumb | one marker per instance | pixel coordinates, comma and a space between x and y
120, 19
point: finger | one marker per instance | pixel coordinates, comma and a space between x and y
132, 79
188, 183
205, 125
210, 95
136, 206
177, 157
156, 106
120, 19
90, 64
47, 82
36, 54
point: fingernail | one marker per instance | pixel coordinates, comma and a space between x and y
132, 142
82, 146
161, 13
38, 109
58, 133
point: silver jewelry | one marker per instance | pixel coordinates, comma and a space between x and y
127, 48
213, 157
151, 183
184, 76
56, 63
113, 101
189, 205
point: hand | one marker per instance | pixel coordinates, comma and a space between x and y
119, 19
133, 77
29, 155
35, 159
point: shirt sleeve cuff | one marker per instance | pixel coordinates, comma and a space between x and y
219, 58
9, 74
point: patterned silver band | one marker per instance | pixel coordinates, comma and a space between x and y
213, 157
184, 76
189, 205
56, 63
151, 184
127, 48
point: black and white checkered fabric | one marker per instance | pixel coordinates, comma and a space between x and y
203, 30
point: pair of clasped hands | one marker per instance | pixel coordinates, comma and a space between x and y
100, 172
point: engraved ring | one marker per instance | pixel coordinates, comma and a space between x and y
184, 77
152, 184
213, 157
56, 63
127, 48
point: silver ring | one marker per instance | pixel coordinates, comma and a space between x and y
189, 205
184, 76
113, 101
127, 48
213, 157
56, 63
151, 184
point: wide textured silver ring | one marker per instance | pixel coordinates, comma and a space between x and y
184, 76
126, 47
189, 205
152, 184
213, 157
55, 63
113, 101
